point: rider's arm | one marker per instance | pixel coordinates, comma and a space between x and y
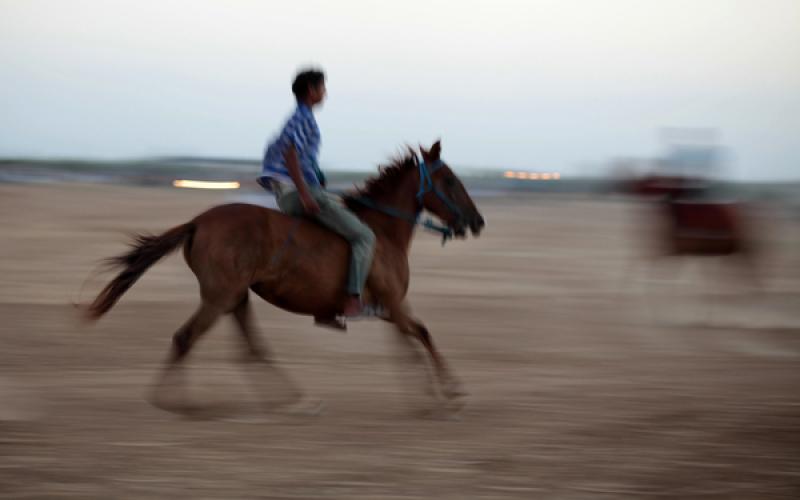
293, 166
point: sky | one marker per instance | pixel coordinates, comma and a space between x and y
541, 85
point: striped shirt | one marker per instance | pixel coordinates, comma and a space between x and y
301, 131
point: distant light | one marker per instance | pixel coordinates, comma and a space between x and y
205, 184
532, 176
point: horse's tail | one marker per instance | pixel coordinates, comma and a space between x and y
146, 250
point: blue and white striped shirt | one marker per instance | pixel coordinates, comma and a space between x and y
301, 131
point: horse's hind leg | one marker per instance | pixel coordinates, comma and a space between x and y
185, 338
182, 342
285, 389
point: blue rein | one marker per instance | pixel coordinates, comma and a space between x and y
426, 185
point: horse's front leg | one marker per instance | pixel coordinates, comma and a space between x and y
450, 386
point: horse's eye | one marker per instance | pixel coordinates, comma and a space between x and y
449, 182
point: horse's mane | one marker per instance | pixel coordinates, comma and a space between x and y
385, 182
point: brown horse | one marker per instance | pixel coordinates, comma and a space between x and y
689, 222
692, 224
299, 266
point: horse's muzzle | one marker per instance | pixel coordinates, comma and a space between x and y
474, 222
477, 224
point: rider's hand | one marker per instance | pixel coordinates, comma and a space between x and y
310, 205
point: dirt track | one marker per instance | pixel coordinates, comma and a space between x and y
575, 391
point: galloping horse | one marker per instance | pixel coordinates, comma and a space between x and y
299, 266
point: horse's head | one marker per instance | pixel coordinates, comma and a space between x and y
442, 193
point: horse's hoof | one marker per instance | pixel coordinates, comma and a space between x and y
449, 411
453, 389
174, 403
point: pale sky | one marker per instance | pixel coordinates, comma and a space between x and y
546, 85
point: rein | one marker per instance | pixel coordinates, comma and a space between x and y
426, 186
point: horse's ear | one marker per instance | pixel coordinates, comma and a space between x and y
436, 150
425, 154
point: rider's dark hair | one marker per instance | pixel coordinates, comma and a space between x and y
304, 80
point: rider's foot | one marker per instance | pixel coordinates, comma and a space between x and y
352, 306
334, 322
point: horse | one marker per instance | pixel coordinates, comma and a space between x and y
299, 266
689, 222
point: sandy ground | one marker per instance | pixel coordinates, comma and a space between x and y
579, 387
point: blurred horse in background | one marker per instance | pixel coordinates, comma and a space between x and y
693, 223
689, 220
